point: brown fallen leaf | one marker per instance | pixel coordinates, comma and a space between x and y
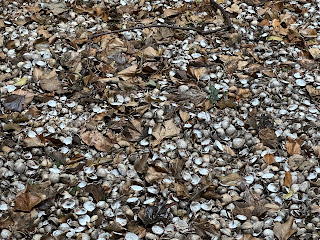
284, 231
268, 137
295, 161
95, 138
185, 116
50, 82
25, 201
166, 130
293, 146
28, 96
316, 150
287, 179
230, 179
229, 150
269, 158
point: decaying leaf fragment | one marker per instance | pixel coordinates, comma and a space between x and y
230, 179
284, 231
316, 150
268, 137
95, 138
14, 102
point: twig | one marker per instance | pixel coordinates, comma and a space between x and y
214, 5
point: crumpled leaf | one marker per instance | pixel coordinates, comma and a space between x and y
185, 116
150, 52
313, 92
96, 139
295, 161
293, 146
33, 142
166, 130
284, 231
14, 102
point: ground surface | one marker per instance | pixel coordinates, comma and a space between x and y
159, 133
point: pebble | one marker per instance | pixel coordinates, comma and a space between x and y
20, 166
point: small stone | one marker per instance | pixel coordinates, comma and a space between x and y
246, 225
54, 177
238, 143
181, 143
183, 89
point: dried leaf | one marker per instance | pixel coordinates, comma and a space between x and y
313, 92
150, 52
37, 73
185, 116
128, 73
308, 32
287, 179
28, 96
25, 201
230, 179
14, 102
166, 130
95, 138
315, 52
284, 231
153, 214
293, 146
197, 73
50, 82
170, 12
245, 209
33, 142
97, 191
268, 137
316, 150
181, 190
153, 175
269, 158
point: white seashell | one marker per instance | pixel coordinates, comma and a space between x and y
249, 179
157, 230
181, 225
204, 115
153, 190
312, 176
131, 236
267, 175
234, 224
71, 104
132, 199
52, 103
198, 160
67, 140
83, 220
68, 203
241, 217
10, 88
169, 229
90, 206
3, 206
144, 142
195, 206
273, 187
292, 107
301, 82
82, 184
149, 201
204, 171
255, 102
57, 233
238, 143
297, 75
186, 176
39, 130
206, 206
219, 145
195, 179
122, 220
32, 134
136, 188
80, 211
